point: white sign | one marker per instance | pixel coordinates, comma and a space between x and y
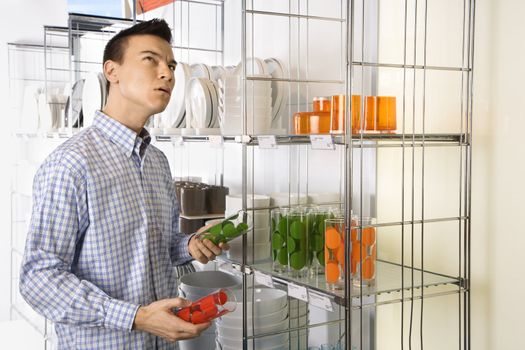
297, 292
267, 141
264, 279
322, 142
320, 301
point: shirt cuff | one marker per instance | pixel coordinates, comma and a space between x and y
184, 254
120, 314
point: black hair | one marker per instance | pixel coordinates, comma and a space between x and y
116, 46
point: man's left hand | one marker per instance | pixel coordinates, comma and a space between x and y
203, 250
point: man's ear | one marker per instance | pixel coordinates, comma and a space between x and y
111, 70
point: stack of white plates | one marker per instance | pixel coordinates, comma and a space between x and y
201, 104
298, 318
94, 94
259, 236
270, 314
258, 108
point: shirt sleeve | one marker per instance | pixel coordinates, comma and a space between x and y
47, 282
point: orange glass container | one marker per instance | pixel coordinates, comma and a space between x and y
319, 122
370, 113
334, 253
386, 114
364, 252
301, 123
338, 113
322, 104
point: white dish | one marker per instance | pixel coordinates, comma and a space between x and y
200, 102
283, 346
267, 301
260, 320
92, 98
200, 70
73, 110
236, 331
218, 72
270, 342
254, 66
276, 68
214, 93
176, 109
199, 284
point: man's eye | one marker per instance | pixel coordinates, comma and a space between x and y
172, 67
149, 58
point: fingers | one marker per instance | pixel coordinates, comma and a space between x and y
212, 247
175, 302
224, 246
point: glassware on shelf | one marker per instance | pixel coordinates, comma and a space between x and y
386, 114
279, 239
301, 123
209, 307
370, 113
229, 228
305, 123
364, 252
334, 253
338, 114
316, 218
297, 243
322, 104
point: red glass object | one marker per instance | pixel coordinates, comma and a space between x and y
208, 308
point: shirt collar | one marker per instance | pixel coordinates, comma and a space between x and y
125, 138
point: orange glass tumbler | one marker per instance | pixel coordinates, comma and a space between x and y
322, 104
301, 123
370, 113
334, 253
364, 252
386, 114
319, 122
338, 113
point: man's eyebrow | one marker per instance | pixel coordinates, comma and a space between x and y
158, 55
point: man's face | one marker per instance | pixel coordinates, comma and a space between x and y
146, 74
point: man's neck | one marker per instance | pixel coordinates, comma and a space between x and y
133, 120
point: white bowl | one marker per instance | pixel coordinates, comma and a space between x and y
266, 342
199, 284
283, 346
236, 332
260, 320
267, 301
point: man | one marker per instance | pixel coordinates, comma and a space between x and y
103, 241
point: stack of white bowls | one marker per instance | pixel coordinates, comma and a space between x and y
259, 236
270, 314
298, 318
194, 286
258, 105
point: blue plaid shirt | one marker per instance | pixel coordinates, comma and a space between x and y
103, 238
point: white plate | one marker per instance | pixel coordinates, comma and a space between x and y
276, 69
200, 70
74, 105
218, 72
174, 113
214, 90
254, 66
92, 98
200, 102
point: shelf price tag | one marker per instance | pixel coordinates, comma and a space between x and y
320, 301
177, 141
264, 279
267, 141
297, 292
216, 141
322, 142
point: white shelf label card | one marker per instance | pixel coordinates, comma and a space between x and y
264, 279
216, 141
297, 292
322, 142
320, 301
177, 141
267, 141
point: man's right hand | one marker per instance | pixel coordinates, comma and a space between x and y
158, 319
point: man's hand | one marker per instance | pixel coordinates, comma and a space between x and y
158, 318
203, 250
